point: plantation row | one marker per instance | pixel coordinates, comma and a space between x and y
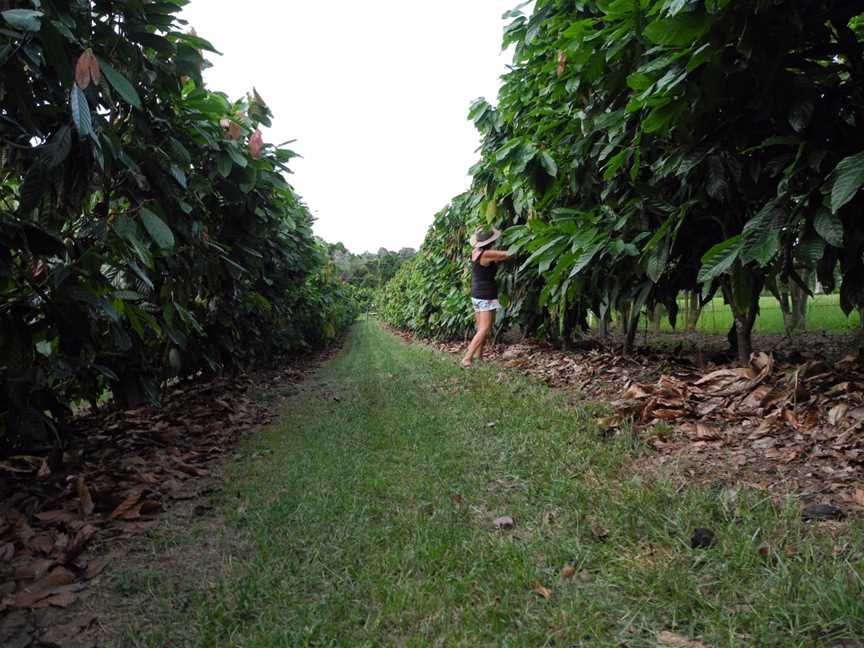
146, 231
644, 152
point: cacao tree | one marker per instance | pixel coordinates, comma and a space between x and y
147, 232
643, 150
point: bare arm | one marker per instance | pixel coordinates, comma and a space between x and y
493, 256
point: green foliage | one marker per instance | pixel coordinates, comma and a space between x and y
429, 294
141, 237
640, 149
369, 270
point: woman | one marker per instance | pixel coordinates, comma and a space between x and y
484, 290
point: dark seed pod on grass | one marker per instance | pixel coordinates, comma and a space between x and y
702, 539
822, 512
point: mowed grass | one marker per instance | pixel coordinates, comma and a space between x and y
823, 314
367, 520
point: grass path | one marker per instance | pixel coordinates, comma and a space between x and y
367, 520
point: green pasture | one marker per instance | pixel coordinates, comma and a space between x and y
823, 314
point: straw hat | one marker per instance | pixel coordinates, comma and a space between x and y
482, 237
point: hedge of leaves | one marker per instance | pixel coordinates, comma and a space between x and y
641, 148
146, 230
429, 294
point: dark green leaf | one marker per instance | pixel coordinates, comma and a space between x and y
25, 19
179, 176
719, 259
80, 111
158, 230
762, 235
153, 41
680, 30
848, 178
34, 187
121, 84
223, 165
548, 164
827, 224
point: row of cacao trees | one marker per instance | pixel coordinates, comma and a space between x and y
644, 150
147, 233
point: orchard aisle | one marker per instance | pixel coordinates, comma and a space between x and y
402, 501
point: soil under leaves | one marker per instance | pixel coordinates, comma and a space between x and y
63, 512
790, 423
787, 425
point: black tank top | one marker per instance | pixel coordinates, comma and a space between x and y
483, 284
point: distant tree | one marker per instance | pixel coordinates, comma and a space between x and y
371, 269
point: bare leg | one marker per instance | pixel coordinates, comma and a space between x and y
490, 319
479, 352
484, 325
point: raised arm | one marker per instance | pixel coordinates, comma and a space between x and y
493, 256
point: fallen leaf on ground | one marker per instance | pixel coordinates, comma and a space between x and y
543, 591
126, 505
599, 532
7, 552
96, 567
504, 522
678, 641
85, 500
822, 512
34, 570
80, 541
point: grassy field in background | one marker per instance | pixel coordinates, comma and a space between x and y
365, 518
823, 314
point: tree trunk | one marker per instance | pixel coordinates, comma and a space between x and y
744, 326
740, 336
692, 311
744, 335
656, 318
799, 304
603, 325
630, 323
786, 309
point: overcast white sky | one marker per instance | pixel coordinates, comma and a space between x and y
376, 93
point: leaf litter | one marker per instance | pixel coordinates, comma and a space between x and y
118, 471
792, 422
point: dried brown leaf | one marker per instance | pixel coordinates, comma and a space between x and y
256, 143
562, 63
95, 70
127, 505
55, 517
63, 598
34, 570
80, 541
85, 500
96, 567
836, 413
82, 69
667, 638
704, 432
542, 590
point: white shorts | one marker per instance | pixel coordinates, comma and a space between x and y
483, 305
